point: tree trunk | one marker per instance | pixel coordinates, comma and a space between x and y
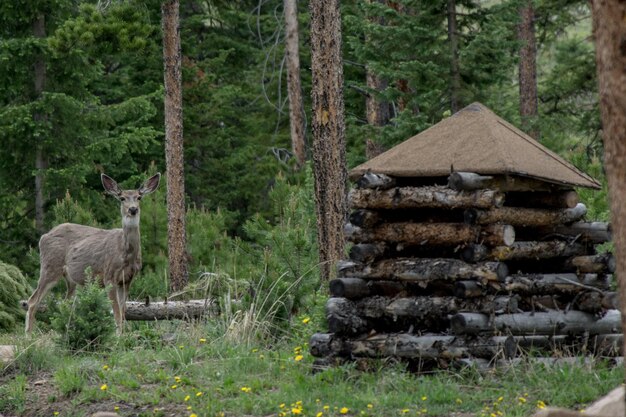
329, 148
294, 87
176, 237
41, 161
455, 72
610, 39
528, 70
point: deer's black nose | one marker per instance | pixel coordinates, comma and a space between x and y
133, 210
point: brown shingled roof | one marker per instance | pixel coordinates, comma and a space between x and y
476, 140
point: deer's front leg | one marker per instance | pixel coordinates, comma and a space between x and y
117, 313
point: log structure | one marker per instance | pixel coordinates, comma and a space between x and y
486, 268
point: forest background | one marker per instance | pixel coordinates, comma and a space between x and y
250, 207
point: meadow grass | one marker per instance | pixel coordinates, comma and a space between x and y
182, 369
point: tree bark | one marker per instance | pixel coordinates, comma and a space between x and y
294, 87
525, 217
455, 72
610, 39
174, 157
329, 148
424, 197
522, 250
528, 70
440, 234
41, 160
552, 283
423, 269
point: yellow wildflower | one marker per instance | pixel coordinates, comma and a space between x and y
187, 398
56, 413
105, 367
424, 398
320, 414
521, 400
541, 404
296, 410
202, 340
104, 387
326, 407
116, 408
404, 411
344, 410
199, 394
459, 401
281, 405
370, 406
246, 389
193, 415
306, 320
298, 358
189, 407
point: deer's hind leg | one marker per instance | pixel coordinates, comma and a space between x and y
48, 278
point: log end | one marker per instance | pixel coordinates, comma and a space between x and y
508, 235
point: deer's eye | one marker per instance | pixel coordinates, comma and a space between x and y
139, 198
122, 198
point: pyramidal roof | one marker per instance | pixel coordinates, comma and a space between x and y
475, 140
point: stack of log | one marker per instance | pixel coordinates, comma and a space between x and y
469, 267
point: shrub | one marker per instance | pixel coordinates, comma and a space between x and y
85, 322
13, 288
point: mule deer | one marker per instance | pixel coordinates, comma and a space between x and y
114, 256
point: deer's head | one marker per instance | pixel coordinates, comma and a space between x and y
129, 199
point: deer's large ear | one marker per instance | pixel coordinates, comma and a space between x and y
151, 184
110, 185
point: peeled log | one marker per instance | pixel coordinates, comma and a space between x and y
594, 232
443, 234
424, 197
529, 284
375, 181
547, 323
422, 313
353, 288
424, 269
471, 181
520, 216
410, 346
594, 264
522, 250
562, 199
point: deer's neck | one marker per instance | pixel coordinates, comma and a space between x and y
132, 242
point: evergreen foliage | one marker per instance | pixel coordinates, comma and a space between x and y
85, 322
13, 289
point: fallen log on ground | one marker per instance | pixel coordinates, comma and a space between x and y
424, 197
543, 323
424, 269
442, 234
160, 310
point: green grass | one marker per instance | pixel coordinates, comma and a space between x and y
200, 372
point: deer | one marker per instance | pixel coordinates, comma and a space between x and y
113, 255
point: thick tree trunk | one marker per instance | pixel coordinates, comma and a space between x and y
174, 157
424, 197
455, 72
548, 323
423, 269
329, 148
610, 38
525, 217
528, 70
439, 234
41, 160
294, 87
